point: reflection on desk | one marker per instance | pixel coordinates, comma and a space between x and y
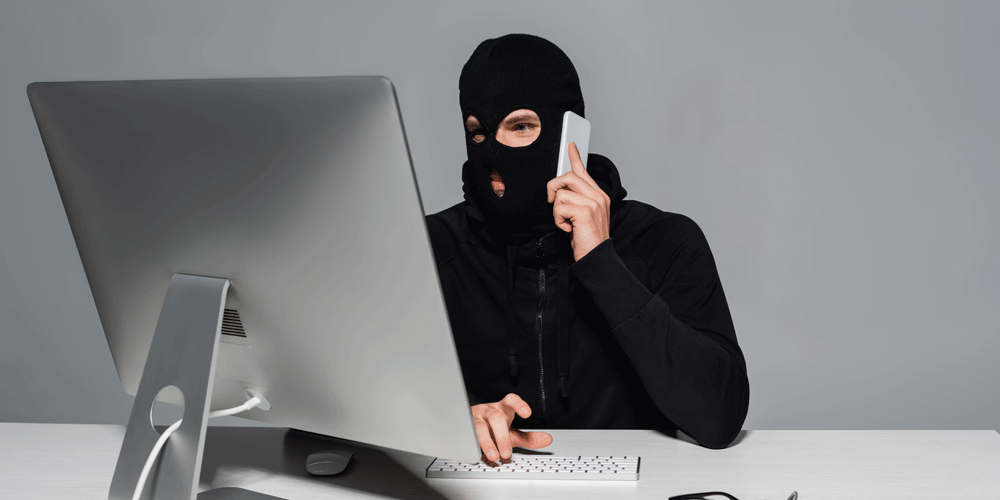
69, 461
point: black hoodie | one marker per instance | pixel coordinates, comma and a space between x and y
636, 335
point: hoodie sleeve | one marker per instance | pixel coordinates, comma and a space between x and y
676, 329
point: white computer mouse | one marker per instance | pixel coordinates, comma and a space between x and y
328, 463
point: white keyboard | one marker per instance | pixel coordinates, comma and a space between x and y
603, 468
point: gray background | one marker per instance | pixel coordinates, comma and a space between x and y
840, 157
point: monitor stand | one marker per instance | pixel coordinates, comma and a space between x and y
182, 354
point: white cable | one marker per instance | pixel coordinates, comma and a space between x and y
152, 458
254, 401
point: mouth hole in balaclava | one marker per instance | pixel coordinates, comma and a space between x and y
496, 182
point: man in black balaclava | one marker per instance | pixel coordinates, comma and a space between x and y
570, 306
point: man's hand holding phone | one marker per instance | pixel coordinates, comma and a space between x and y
496, 437
580, 207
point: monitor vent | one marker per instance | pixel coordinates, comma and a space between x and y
231, 324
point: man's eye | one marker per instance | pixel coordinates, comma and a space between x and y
522, 127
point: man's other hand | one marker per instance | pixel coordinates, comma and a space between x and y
496, 437
580, 206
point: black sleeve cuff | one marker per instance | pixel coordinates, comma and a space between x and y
616, 292
475, 400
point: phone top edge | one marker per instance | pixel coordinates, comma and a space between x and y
561, 165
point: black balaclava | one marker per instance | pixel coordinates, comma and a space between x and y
503, 75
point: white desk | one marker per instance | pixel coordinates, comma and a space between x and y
66, 461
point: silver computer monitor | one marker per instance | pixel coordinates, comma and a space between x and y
301, 192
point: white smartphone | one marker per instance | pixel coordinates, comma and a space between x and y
576, 129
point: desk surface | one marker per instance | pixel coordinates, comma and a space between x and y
67, 461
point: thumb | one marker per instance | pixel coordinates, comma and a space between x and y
530, 440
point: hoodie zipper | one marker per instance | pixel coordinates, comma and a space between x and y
538, 326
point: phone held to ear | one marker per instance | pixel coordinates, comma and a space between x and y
575, 129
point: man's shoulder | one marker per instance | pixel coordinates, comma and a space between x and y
659, 244
448, 229
643, 224
452, 217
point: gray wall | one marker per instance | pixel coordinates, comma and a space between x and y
840, 157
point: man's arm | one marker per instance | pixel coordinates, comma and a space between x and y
679, 337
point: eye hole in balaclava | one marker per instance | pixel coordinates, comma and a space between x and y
518, 129
503, 75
